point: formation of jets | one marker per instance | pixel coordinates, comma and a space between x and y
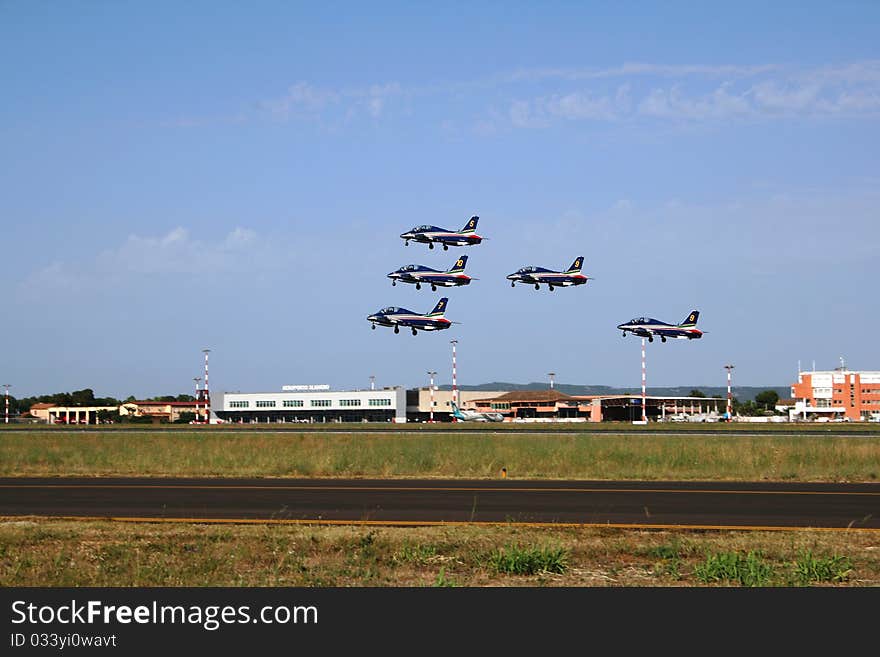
419, 274
648, 327
396, 317
552, 279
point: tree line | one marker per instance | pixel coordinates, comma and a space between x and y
84, 397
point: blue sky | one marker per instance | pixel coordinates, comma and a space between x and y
175, 176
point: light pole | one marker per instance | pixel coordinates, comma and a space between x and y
207, 394
729, 395
644, 385
7, 386
197, 379
431, 373
454, 385
372, 381
551, 375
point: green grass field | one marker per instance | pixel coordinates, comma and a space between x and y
669, 455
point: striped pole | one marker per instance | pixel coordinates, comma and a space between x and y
431, 374
6, 385
644, 389
454, 386
197, 379
207, 394
729, 395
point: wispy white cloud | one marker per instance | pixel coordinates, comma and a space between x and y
638, 69
306, 101
144, 258
693, 95
302, 100
541, 97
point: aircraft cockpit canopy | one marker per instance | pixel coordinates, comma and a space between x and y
421, 228
410, 268
637, 320
527, 270
390, 310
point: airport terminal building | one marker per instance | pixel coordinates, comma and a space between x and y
315, 403
836, 395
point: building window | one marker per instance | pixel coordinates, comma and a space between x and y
349, 402
320, 402
265, 404
380, 402
239, 404
293, 403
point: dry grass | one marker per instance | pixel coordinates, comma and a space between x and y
104, 553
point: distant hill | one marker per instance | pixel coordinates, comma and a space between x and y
742, 393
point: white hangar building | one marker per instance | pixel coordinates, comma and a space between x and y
315, 403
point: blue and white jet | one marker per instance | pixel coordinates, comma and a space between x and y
397, 317
552, 279
475, 416
648, 327
433, 234
418, 274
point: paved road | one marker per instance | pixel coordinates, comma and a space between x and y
644, 504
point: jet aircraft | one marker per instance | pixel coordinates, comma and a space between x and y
397, 317
553, 279
648, 327
465, 416
419, 274
431, 234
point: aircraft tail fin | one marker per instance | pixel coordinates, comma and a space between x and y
459, 265
440, 308
576, 265
691, 319
471, 225
456, 411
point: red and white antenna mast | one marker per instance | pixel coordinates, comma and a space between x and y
7, 386
454, 385
206, 393
197, 379
729, 395
431, 373
644, 385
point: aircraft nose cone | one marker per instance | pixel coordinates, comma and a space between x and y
620, 326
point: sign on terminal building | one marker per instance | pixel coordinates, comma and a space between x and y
306, 388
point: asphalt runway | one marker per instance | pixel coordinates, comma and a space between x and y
430, 502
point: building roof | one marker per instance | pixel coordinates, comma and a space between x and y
166, 403
41, 406
532, 395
